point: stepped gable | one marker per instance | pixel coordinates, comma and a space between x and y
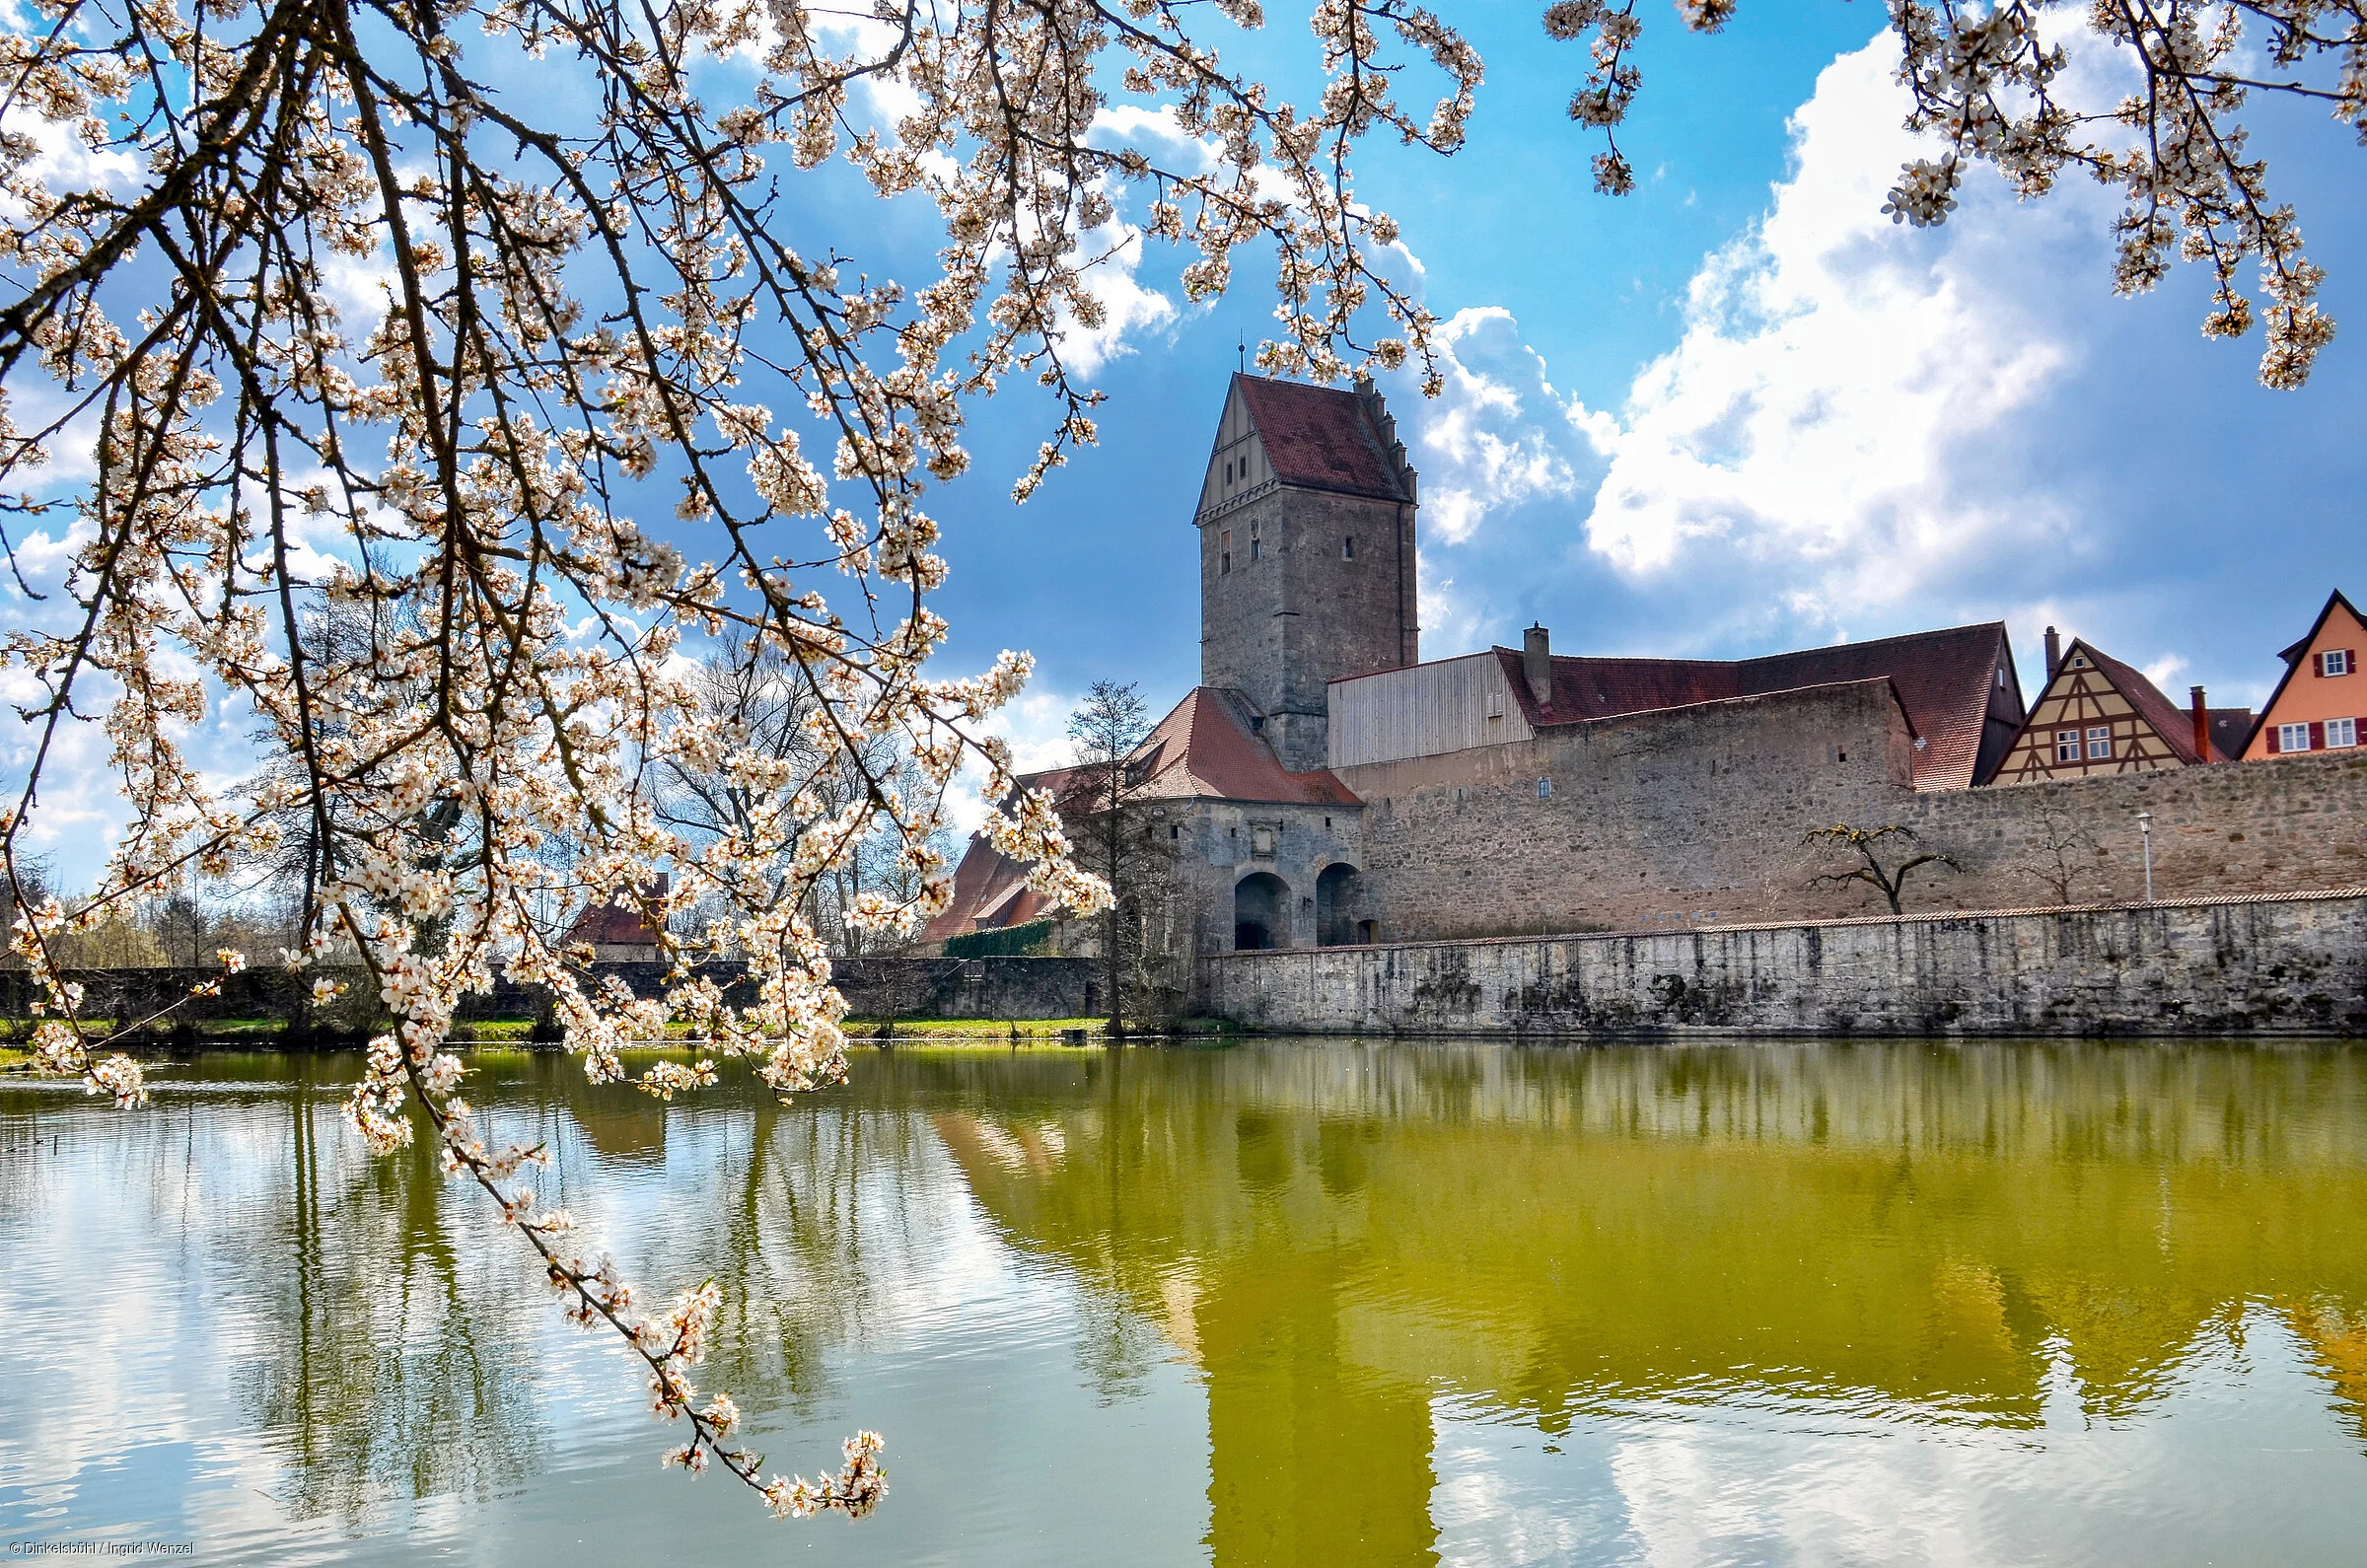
1942, 679
1320, 438
1204, 750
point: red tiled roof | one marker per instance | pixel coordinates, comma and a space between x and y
1320, 438
1204, 750
1942, 679
2173, 724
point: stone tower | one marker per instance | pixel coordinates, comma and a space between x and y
1307, 552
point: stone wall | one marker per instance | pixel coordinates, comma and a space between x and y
883, 987
2295, 965
1695, 817
1654, 818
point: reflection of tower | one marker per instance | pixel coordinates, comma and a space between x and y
1307, 552
1312, 1458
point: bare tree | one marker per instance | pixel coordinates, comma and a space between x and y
1886, 856
1106, 730
2062, 852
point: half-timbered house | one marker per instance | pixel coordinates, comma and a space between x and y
2098, 715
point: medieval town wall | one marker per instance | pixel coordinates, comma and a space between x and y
1695, 816
1665, 818
873, 988
2290, 966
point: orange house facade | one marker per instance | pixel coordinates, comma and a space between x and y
2321, 701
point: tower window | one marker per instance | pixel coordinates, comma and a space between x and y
1227, 473
1257, 545
1348, 548
1224, 551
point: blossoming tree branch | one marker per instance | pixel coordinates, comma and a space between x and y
416, 540
449, 386
1990, 82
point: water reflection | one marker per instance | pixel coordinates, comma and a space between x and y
1272, 1304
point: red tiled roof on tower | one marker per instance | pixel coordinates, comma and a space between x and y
1944, 680
1320, 438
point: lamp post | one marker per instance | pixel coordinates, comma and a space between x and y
2145, 827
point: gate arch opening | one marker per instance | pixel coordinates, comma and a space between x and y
1338, 894
1261, 912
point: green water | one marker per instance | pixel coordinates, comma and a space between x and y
1289, 1302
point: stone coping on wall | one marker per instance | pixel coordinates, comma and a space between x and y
1926, 917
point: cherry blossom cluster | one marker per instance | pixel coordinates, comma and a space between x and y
445, 432
1990, 83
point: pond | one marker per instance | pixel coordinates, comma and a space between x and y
1278, 1302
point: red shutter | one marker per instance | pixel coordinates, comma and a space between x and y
2316, 663
2272, 748
2317, 736
2350, 661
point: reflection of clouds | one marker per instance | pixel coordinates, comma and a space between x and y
2234, 1464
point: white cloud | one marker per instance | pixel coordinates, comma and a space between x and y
1825, 423
1036, 724
1478, 445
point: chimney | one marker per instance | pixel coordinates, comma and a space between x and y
1537, 663
2202, 727
2055, 653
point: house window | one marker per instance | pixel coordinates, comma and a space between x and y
1223, 553
2337, 661
2066, 746
2342, 732
2100, 741
1175, 832
2001, 678
2292, 736
1495, 704
1545, 789
1348, 548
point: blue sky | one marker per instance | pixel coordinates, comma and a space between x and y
1738, 410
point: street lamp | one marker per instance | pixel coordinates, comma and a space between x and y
2145, 827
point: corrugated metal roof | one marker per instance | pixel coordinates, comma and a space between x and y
1943, 678
1320, 438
